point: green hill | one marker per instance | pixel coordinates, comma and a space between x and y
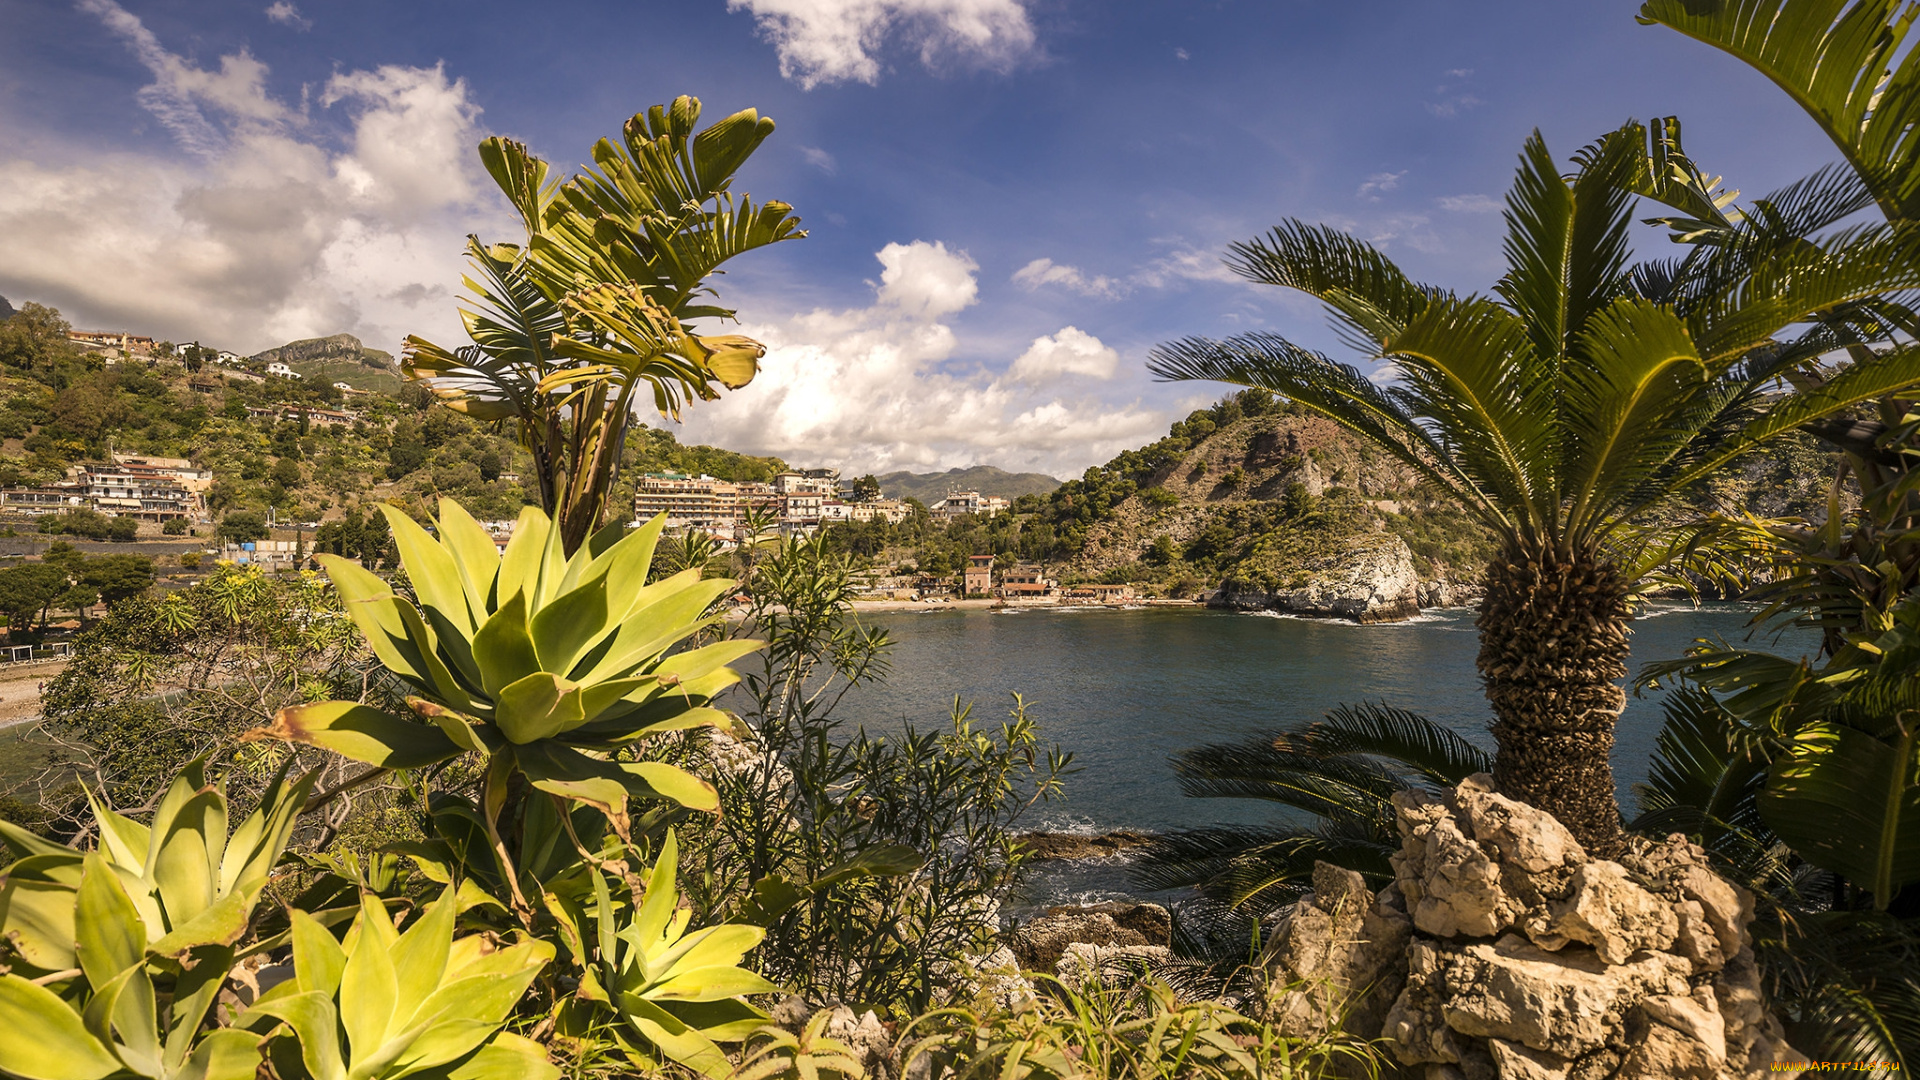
930, 488
337, 358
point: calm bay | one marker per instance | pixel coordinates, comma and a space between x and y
1124, 689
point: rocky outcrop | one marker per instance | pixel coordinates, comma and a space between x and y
1339, 954
1041, 944
1053, 845
333, 347
1373, 581
867, 1039
1527, 958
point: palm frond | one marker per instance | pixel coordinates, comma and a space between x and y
1334, 390
1370, 298
1841, 62
1567, 244
1407, 739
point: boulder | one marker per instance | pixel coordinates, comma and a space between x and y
1040, 944
1339, 953
1527, 959
1372, 581
1612, 914
1081, 962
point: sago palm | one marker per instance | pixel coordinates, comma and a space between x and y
1566, 407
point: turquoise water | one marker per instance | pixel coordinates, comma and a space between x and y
1125, 689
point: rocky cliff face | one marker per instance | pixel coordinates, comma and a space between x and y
1504, 951
1373, 580
335, 347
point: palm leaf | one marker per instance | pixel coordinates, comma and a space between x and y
1834, 59
1371, 299
1567, 244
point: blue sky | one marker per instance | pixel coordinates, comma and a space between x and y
1009, 201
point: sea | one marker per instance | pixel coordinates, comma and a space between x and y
1124, 690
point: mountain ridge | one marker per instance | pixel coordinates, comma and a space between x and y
988, 480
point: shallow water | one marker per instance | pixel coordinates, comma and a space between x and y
1125, 689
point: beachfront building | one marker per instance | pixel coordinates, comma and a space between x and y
978, 576
1105, 594
970, 502
1026, 583
690, 502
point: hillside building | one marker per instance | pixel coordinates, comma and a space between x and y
891, 511
1026, 583
970, 502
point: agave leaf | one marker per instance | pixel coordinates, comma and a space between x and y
537, 707
507, 1057
318, 959
60, 1048
369, 987
436, 577
227, 1054
360, 732
503, 648
314, 1022
420, 958
37, 913
572, 624
223, 922
473, 552
108, 930
526, 551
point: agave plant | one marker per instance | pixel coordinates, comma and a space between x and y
386, 1003
543, 663
680, 991
109, 1018
189, 882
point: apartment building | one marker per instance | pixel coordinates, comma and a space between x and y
690, 502
891, 511
970, 502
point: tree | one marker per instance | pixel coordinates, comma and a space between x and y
117, 577
596, 309
26, 591
34, 337
1582, 395
866, 489
286, 473
241, 526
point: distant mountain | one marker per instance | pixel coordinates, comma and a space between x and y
6, 309
339, 358
930, 488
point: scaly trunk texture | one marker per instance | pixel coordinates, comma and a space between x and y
1553, 647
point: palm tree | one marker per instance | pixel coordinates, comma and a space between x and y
1572, 403
591, 317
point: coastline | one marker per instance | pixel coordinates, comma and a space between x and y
988, 605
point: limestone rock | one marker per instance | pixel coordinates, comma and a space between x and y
1568, 1002
1513, 1061
1372, 581
1612, 914
1452, 887
1695, 938
1339, 954
1040, 944
1514, 833
1080, 962
867, 1037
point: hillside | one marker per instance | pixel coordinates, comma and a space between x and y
930, 488
1273, 506
338, 358
59, 407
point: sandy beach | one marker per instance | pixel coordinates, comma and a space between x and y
20, 689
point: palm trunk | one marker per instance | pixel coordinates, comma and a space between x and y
1553, 645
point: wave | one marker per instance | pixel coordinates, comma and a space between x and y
1422, 619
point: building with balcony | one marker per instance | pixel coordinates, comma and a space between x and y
970, 502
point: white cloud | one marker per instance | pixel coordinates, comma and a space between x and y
1072, 351
871, 388
1042, 272
1182, 54
275, 225
1450, 98
819, 159
828, 41
284, 13
1378, 182
1468, 204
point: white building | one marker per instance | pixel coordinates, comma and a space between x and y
970, 502
283, 371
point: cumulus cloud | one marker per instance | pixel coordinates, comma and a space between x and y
870, 388
828, 41
1042, 272
1469, 204
274, 224
284, 13
1072, 351
1370, 188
